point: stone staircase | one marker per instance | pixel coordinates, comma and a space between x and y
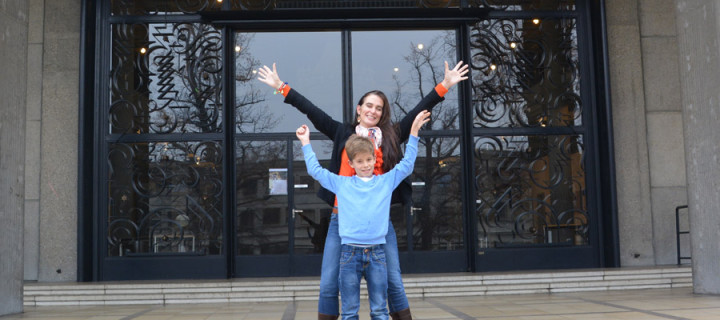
296, 289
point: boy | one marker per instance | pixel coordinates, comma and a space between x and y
364, 200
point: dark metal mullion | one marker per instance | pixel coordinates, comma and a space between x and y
164, 137
606, 159
88, 74
513, 131
229, 146
150, 19
466, 141
342, 23
439, 133
103, 39
317, 136
542, 14
347, 76
291, 205
587, 94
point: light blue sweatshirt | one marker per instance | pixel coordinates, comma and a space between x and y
363, 206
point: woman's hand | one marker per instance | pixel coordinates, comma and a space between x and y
270, 77
303, 134
457, 74
422, 118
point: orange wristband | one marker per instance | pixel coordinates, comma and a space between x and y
441, 90
285, 90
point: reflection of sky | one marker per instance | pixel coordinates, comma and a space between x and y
377, 53
311, 63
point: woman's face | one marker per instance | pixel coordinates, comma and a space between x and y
370, 111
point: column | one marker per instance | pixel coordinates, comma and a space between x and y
13, 82
699, 54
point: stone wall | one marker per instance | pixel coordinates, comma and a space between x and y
59, 141
13, 82
647, 122
51, 148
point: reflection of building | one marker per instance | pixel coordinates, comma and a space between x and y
592, 178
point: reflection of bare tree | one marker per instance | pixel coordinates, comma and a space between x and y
439, 220
250, 111
426, 65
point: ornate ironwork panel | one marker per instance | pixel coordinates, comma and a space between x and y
525, 73
261, 199
162, 7
519, 5
165, 197
530, 190
165, 78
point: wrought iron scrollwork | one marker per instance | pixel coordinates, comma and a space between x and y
530, 190
165, 197
166, 78
525, 73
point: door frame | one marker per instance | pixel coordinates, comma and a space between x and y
93, 92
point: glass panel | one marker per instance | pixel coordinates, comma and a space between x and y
520, 5
311, 223
405, 65
530, 190
165, 78
165, 197
525, 73
437, 195
308, 61
261, 197
162, 7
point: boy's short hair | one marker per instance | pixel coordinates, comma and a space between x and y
356, 145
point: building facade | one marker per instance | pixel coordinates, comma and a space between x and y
151, 152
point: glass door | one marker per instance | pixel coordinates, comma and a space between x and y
531, 137
431, 231
161, 197
280, 223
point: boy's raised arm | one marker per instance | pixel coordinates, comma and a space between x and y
405, 167
326, 178
422, 118
303, 134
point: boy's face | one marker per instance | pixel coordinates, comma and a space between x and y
364, 164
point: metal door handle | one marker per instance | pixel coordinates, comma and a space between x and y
413, 209
294, 211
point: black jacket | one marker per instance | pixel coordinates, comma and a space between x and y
339, 133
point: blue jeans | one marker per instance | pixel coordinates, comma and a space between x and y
328, 299
356, 263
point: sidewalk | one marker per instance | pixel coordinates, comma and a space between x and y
678, 303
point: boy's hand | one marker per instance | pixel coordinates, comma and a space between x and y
454, 75
269, 77
422, 118
303, 134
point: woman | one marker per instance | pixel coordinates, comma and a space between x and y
372, 119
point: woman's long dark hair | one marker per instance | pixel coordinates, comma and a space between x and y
390, 143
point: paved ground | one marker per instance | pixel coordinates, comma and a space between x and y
629, 304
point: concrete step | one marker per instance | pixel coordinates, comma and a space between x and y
297, 289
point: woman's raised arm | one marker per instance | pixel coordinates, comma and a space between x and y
321, 120
271, 77
452, 77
